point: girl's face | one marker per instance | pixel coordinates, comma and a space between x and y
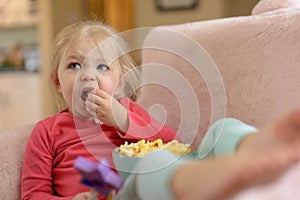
82, 70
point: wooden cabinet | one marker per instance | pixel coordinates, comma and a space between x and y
20, 99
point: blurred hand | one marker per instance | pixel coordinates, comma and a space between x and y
282, 134
82, 196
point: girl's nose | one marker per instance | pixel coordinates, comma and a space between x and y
88, 75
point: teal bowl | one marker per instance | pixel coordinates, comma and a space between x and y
125, 165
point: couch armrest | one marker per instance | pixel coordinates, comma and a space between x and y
12, 146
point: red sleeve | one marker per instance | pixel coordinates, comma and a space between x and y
36, 183
143, 126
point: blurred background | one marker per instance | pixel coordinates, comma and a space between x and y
28, 27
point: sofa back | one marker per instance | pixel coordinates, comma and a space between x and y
257, 58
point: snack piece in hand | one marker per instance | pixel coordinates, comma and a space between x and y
142, 147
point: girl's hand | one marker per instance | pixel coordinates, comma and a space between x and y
107, 109
82, 196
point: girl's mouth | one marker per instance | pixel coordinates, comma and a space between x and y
85, 93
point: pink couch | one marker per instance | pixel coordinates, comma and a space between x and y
257, 58
12, 145
254, 77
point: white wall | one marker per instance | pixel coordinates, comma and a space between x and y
147, 14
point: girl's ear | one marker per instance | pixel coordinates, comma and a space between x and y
56, 82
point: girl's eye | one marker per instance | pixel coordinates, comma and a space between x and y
102, 67
75, 66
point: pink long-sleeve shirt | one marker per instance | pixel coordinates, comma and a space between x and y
57, 141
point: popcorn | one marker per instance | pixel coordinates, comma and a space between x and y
142, 147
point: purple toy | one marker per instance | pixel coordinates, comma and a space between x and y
98, 175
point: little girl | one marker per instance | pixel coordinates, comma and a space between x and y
96, 82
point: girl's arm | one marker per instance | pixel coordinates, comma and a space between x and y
142, 126
132, 121
36, 180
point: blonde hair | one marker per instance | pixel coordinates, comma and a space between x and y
116, 45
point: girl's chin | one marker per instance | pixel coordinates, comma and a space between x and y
79, 110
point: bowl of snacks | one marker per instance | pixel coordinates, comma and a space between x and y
127, 155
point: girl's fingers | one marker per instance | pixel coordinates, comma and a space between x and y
94, 109
95, 99
102, 94
90, 107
